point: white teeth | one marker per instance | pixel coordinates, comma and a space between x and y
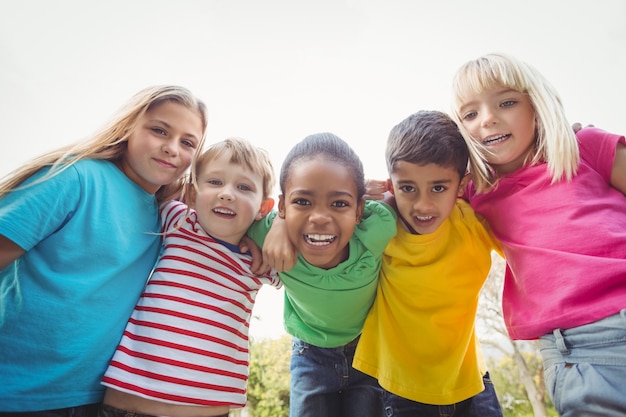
224, 211
495, 139
319, 240
424, 219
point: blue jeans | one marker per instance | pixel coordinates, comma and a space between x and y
88, 410
484, 404
324, 383
585, 368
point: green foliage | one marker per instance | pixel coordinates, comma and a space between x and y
510, 390
268, 384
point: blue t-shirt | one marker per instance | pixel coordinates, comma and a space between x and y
91, 236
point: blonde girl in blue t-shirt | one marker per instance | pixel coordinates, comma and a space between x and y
339, 240
79, 234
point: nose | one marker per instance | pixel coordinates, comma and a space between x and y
170, 147
226, 194
319, 215
422, 203
488, 118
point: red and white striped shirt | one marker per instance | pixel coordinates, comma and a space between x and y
187, 339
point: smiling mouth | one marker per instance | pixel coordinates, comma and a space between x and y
165, 163
319, 240
224, 212
424, 218
496, 139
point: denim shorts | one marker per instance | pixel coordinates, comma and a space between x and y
324, 383
585, 368
483, 404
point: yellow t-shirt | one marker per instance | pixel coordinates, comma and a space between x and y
419, 338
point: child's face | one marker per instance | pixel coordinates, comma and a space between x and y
502, 120
228, 199
425, 194
162, 145
321, 207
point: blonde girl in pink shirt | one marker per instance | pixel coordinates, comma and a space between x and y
556, 202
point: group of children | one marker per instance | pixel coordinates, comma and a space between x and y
380, 296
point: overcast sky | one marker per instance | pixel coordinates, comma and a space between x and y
275, 71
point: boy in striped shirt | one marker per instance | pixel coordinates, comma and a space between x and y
185, 348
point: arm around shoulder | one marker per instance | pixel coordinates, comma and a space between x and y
377, 226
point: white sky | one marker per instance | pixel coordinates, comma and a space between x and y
275, 71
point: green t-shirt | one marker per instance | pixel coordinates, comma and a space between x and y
327, 307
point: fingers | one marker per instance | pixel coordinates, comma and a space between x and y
375, 189
281, 261
577, 126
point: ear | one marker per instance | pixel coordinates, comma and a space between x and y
463, 184
359, 211
266, 207
281, 206
390, 186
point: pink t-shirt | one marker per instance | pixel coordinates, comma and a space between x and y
565, 243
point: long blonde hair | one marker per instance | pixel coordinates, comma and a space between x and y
110, 142
555, 142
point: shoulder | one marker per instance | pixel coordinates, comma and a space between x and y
463, 213
173, 210
379, 210
475, 224
378, 218
593, 140
598, 149
259, 228
94, 166
377, 226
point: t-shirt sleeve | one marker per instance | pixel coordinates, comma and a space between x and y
479, 227
598, 149
171, 214
35, 210
259, 229
377, 226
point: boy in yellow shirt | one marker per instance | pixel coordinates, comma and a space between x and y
419, 339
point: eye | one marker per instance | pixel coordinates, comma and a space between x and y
245, 187
470, 115
508, 103
439, 189
407, 189
301, 202
340, 204
159, 131
189, 143
214, 182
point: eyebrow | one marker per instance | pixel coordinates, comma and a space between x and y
503, 91
310, 193
435, 182
167, 125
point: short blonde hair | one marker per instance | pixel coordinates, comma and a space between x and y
110, 142
242, 152
555, 141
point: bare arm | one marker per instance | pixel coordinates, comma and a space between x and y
618, 173
278, 251
9, 251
